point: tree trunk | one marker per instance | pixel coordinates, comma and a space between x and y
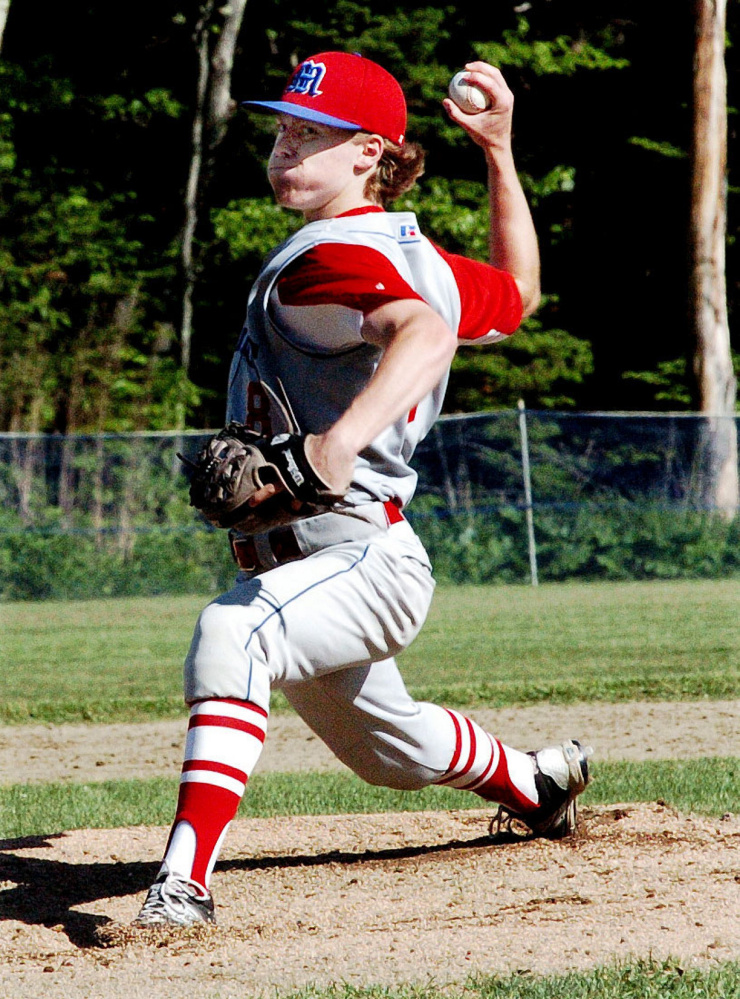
66, 492
29, 462
192, 189
221, 106
213, 108
4, 8
717, 478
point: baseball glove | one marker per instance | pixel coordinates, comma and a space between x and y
236, 462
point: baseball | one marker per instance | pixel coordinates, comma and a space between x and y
468, 97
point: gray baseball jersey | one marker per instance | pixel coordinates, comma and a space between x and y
313, 358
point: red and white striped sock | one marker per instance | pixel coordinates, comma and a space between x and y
484, 765
225, 738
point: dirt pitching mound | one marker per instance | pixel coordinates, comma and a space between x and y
370, 899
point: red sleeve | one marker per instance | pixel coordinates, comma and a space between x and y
357, 277
489, 297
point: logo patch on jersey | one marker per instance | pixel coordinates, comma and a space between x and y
408, 234
308, 79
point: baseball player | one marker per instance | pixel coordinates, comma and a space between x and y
351, 327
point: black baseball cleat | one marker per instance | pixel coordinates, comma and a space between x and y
175, 901
560, 775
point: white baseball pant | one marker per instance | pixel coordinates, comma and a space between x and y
325, 630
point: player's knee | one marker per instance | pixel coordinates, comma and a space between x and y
219, 663
217, 638
215, 623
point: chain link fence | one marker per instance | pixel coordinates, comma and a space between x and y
506, 496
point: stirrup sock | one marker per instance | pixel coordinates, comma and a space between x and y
225, 738
484, 765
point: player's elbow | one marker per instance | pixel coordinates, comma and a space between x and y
531, 295
446, 342
411, 321
435, 339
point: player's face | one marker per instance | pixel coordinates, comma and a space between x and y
316, 169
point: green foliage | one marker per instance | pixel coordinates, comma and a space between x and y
84, 345
81, 567
541, 366
662, 148
669, 381
77, 351
453, 213
589, 541
560, 179
559, 56
94, 156
141, 110
253, 227
91, 290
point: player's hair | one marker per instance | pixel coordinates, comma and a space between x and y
398, 170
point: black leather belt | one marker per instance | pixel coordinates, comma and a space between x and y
283, 545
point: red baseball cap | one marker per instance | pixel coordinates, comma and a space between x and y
344, 90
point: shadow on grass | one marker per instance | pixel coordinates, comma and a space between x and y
46, 891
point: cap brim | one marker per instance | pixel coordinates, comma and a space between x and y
298, 111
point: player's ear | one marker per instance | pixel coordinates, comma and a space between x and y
372, 148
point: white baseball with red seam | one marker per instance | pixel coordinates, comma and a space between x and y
468, 97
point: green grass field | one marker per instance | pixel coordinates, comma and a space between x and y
708, 786
643, 980
121, 660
